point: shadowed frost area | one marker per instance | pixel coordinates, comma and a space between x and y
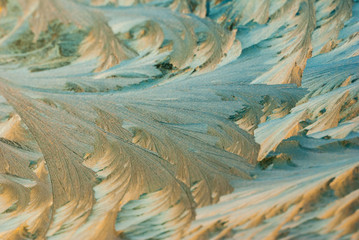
179, 119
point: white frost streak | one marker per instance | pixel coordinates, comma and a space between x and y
193, 119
